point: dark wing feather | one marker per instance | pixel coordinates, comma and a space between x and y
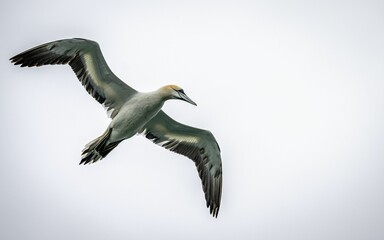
198, 145
86, 60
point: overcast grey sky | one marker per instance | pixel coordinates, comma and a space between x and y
292, 90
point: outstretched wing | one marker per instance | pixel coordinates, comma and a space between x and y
198, 145
89, 65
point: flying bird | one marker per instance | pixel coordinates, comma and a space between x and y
132, 112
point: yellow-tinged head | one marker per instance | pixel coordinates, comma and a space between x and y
176, 92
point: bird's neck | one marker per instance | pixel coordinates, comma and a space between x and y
164, 93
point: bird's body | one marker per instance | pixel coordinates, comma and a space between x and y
131, 118
135, 113
132, 112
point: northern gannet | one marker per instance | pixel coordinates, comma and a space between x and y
132, 112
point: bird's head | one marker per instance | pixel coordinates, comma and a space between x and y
176, 92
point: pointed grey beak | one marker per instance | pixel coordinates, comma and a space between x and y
184, 97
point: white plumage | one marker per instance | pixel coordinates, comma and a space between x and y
132, 112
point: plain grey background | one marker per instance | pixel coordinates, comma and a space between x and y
292, 90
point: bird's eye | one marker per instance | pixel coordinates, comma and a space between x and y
182, 91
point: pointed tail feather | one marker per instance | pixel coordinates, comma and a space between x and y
98, 148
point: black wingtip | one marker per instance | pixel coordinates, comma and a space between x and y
14, 60
214, 210
83, 162
87, 160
